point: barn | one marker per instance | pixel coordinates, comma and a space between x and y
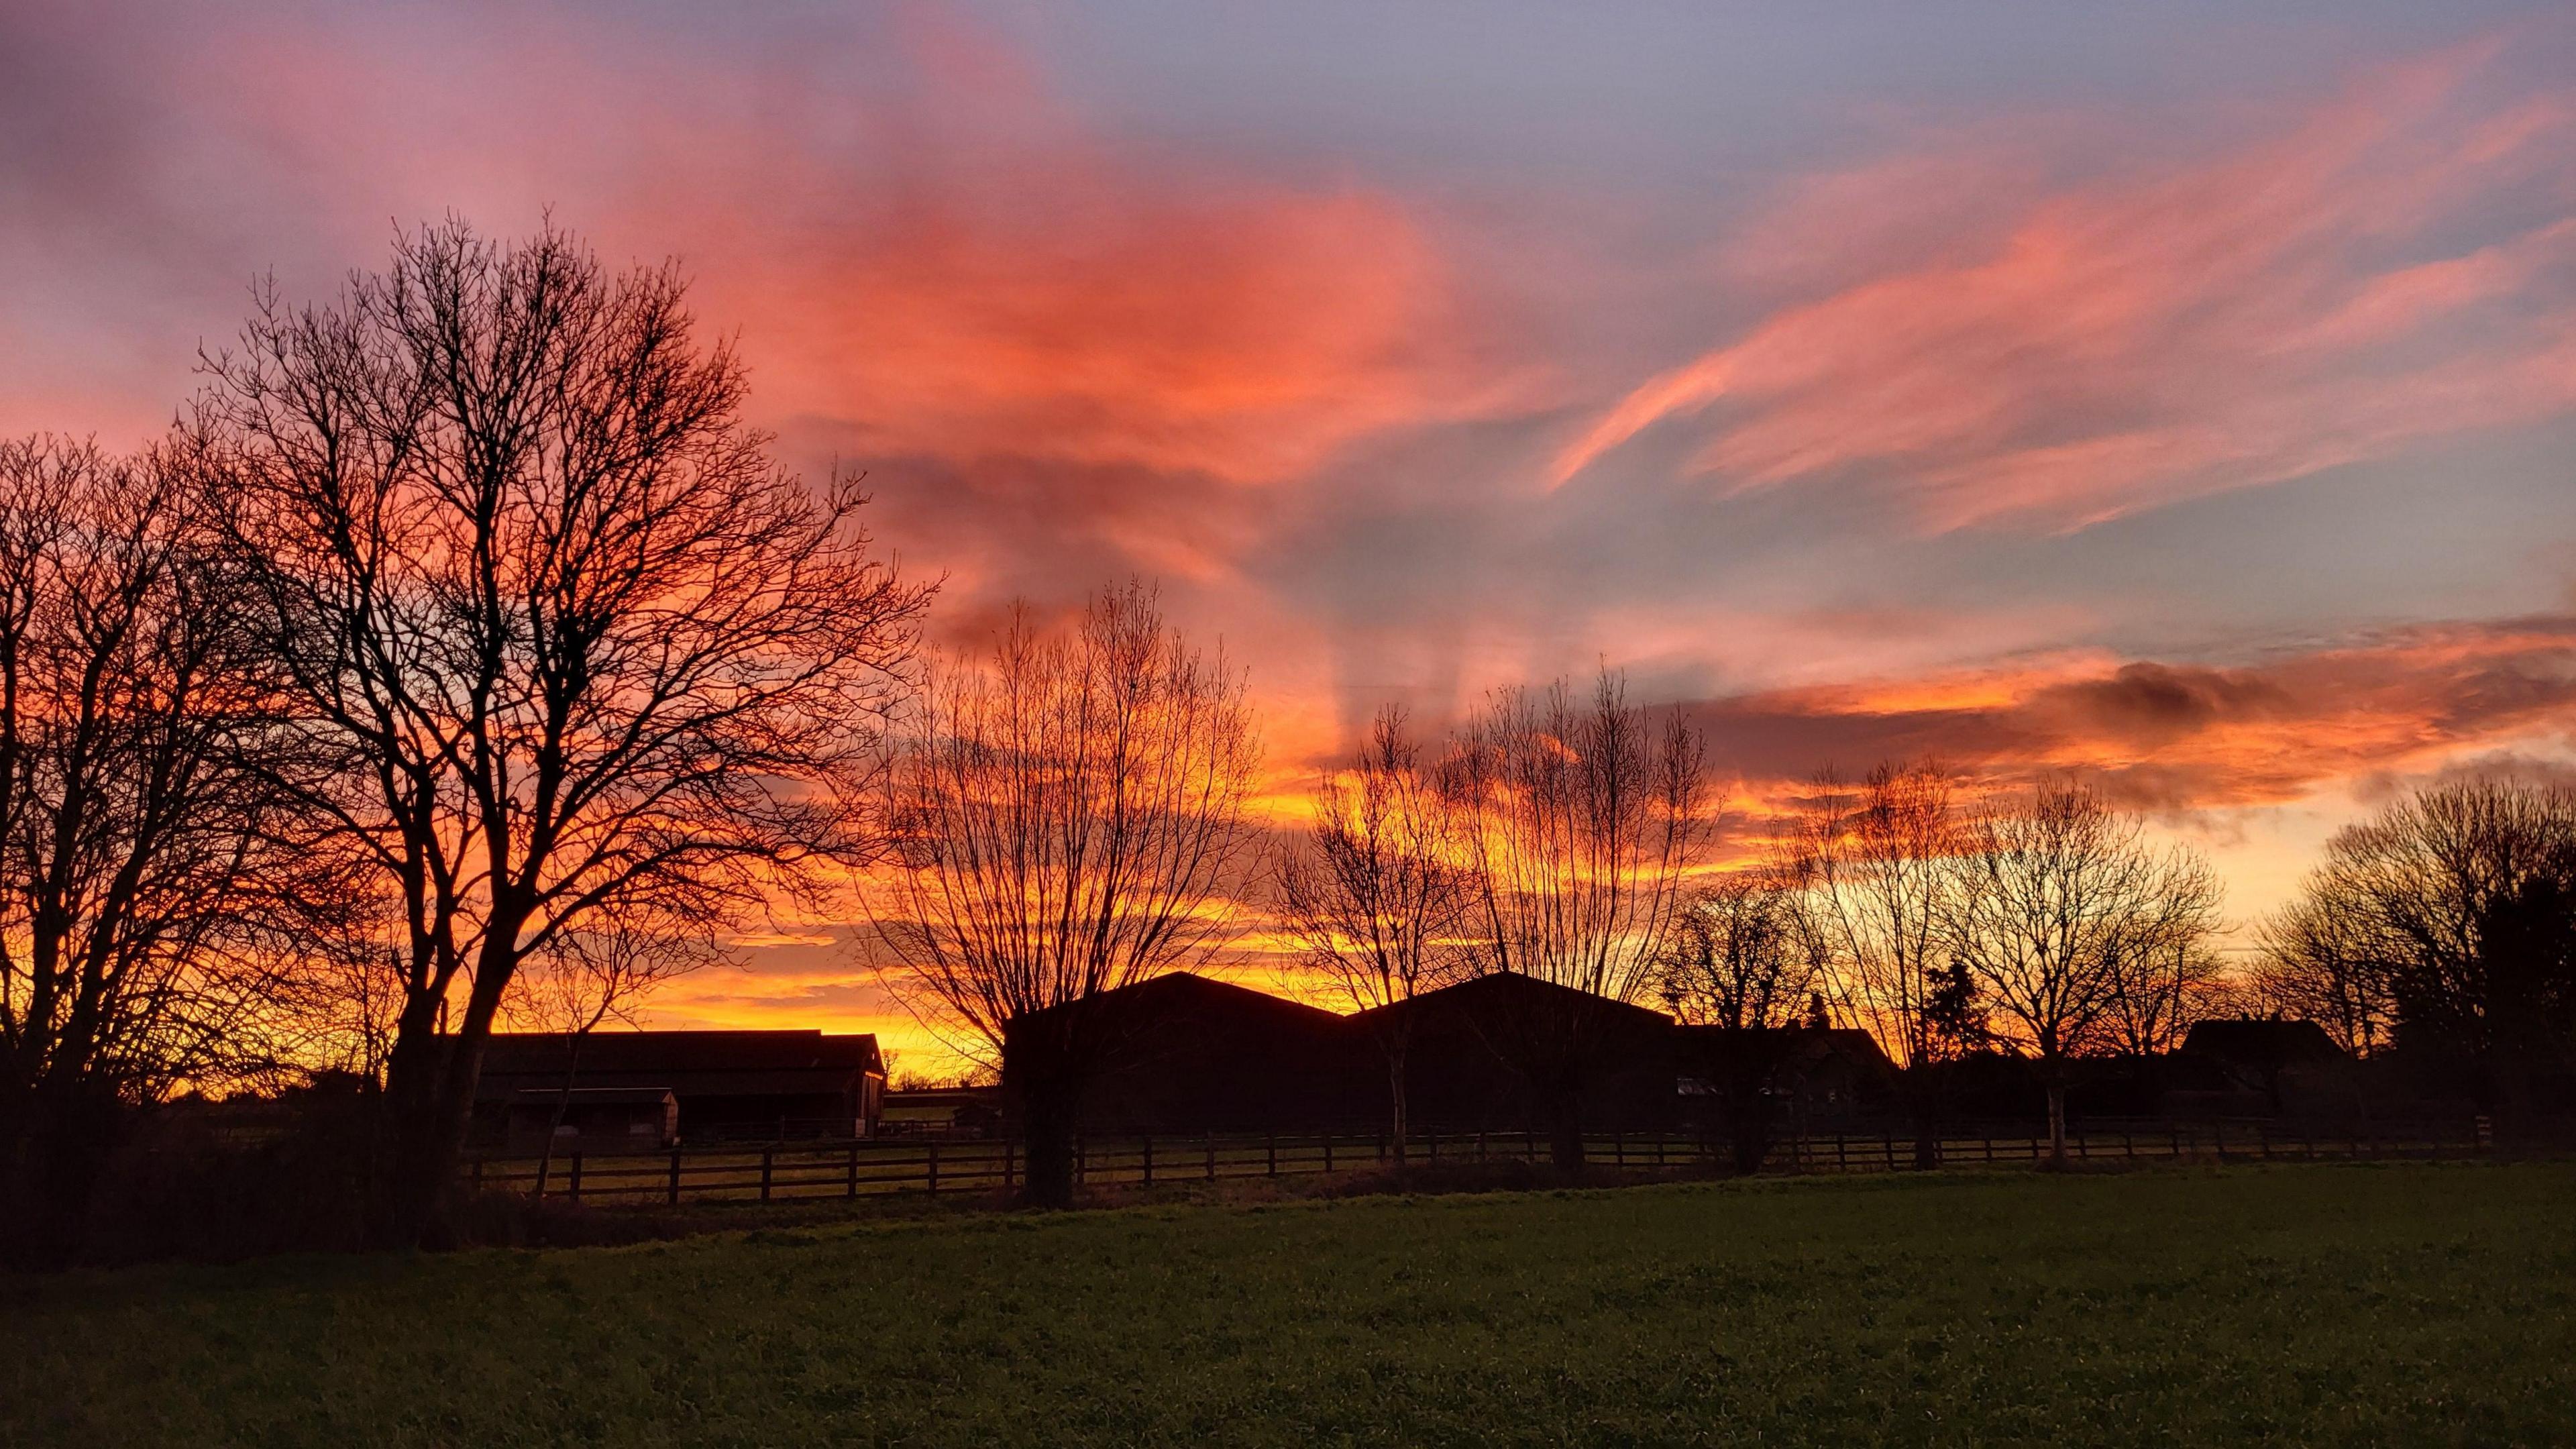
631, 1088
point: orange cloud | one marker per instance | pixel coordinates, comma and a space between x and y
2131, 343
2187, 737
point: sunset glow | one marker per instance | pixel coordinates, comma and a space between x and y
2060, 400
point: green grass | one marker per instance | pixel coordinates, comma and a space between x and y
2332, 1304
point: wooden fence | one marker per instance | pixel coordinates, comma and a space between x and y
804, 1171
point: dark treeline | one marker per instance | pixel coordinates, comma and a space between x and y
461, 656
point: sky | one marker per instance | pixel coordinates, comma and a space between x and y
2182, 395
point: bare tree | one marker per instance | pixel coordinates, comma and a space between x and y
1069, 816
1373, 897
2060, 906
1735, 959
564, 639
1873, 870
2319, 963
143, 854
1582, 821
2464, 901
1738, 963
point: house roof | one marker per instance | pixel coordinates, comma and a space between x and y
2257, 1042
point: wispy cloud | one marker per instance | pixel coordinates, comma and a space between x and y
2300, 302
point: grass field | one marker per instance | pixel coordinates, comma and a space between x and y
2333, 1303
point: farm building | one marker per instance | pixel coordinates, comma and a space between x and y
942, 1111
630, 1086
1185, 1054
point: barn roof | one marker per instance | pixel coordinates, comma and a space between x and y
690, 1063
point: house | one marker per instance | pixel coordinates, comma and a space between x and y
2264, 1066
719, 1085
1811, 1076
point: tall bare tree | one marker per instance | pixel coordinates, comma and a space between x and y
1069, 819
2464, 896
565, 638
144, 856
1373, 896
2059, 910
1583, 821
1873, 871
1738, 963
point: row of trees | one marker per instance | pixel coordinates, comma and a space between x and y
2045, 919
462, 653
2444, 930
1070, 818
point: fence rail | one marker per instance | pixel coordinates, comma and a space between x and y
806, 1171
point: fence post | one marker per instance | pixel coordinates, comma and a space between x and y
1149, 1159
673, 1194
854, 1169
768, 1157
1381, 1147
934, 1169
1081, 1162
1990, 1144
576, 1175
1328, 1152
1480, 1144
2218, 1139
1842, 1153
1010, 1162
1529, 1145
1619, 1150
2129, 1146
1211, 1157
1434, 1138
1270, 1151
1887, 1145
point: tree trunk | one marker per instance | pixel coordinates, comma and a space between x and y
1397, 1124
1749, 1131
1049, 1117
1925, 1093
2056, 1118
1565, 1135
563, 1107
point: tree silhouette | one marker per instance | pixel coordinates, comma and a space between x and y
1068, 815
1583, 822
561, 637
1373, 895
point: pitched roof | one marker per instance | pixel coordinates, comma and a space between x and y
2256, 1042
1513, 990
1179, 993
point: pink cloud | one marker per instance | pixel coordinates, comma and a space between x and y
2134, 341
